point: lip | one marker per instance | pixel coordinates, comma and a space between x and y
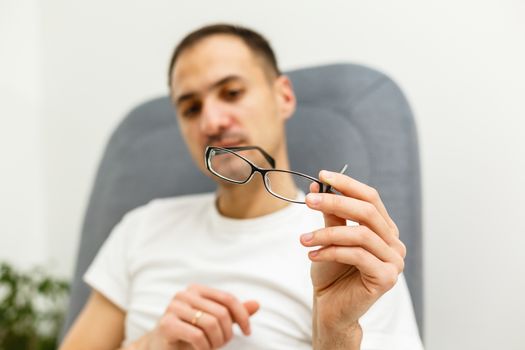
227, 144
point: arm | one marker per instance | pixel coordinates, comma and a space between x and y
335, 339
199, 318
99, 326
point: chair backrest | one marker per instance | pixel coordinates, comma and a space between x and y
346, 114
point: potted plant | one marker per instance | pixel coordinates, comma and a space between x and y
32, 307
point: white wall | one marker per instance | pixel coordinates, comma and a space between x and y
23, 224
459, 62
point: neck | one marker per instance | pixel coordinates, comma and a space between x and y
249, 202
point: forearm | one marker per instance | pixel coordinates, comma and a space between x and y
329, 336
349, 339
140, 344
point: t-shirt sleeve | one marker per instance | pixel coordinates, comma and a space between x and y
390, 323
109, 272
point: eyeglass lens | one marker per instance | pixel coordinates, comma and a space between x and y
231, 166
281, 184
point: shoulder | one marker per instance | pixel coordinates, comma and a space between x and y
163, 215
176, 204
171, 206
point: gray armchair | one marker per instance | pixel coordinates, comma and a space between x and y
346, 114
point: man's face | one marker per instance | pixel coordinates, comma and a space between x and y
224, 97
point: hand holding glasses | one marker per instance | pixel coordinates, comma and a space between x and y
238, 164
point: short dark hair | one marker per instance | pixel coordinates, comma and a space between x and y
255, 41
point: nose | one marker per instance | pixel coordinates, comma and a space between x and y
214, 118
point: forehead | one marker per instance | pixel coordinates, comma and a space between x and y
212, 59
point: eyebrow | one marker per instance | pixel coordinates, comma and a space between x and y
218, 83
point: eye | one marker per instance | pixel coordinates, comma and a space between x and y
231, 94
191, 110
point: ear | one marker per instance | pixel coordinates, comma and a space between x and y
285, 96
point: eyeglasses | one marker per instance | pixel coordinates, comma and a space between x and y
238, 164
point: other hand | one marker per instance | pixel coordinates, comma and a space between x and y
200, 318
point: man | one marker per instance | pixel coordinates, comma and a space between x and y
184, 272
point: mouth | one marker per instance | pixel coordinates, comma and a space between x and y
228, 143
228, 139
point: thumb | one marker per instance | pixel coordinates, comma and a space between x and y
251, 306
329, 219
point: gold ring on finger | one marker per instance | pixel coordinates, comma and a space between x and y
196, 317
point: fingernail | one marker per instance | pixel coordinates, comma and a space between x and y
314, 253
313, 198
325, 175
307, 237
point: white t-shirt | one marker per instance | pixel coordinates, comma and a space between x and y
162, 247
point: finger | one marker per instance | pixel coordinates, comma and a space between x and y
207, 323
377, 276
314, 187
176, 330
251, 306
236, 309
329, 219
332, 220
355, 189
217, 324
354, 209
354, 236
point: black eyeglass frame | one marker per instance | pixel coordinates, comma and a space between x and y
256, 169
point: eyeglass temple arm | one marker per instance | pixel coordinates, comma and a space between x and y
342, 171
244, 148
